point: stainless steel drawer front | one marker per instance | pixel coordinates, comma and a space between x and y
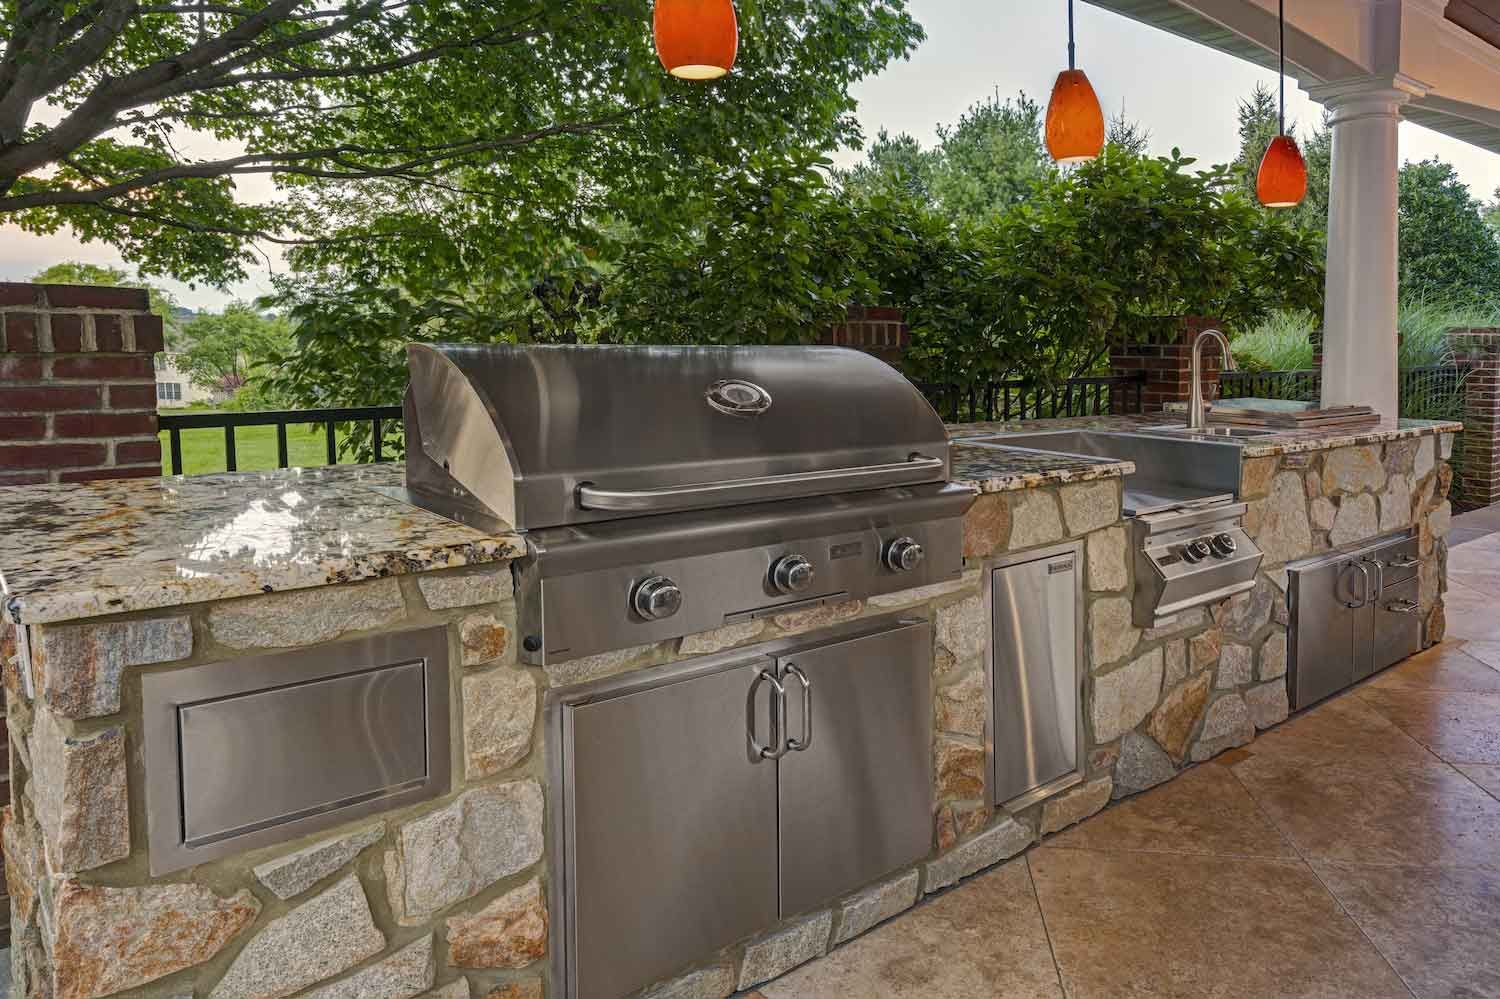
246, 761
260, 750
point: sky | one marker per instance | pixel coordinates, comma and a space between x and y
1184, 94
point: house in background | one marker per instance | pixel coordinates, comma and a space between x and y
175, 389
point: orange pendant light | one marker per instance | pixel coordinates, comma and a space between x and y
1075, 122
1281, 181
696, 39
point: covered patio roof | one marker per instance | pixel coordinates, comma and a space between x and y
1446, 52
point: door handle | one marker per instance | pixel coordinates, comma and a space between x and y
1379, 578
1402, 606
778, 744
800, 745
1364, 593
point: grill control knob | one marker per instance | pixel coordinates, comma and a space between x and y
1197, 551
792, 574
657, 598
903, 555
1223, 545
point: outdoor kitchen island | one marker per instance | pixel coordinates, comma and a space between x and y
437, 867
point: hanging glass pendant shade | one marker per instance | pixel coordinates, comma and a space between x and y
1075, 122
1281, 181
696, 39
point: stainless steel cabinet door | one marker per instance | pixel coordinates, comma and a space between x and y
671, 832
857, 801
1326, 631
1034, 608
1397, 624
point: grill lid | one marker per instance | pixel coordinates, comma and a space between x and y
542, 436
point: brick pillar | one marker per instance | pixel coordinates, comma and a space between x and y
1167, 359
875, 330
1479, 351
77, 384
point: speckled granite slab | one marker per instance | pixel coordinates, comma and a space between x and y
995, 468
84, 550
1281, 442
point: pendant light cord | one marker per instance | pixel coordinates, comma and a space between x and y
1070, 34
1281, 49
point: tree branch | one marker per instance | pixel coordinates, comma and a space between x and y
288, 163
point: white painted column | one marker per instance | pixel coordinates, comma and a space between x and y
1359, 312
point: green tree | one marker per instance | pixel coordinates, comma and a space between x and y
896, 165
225, 350
432, 135
990, 159
77, 272
1446, 248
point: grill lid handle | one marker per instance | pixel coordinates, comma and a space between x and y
918, 469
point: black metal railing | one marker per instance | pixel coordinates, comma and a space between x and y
379, 417
1019, 400
1302, 384
1428, 392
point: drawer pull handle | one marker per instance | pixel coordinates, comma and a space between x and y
1409, 562
1402, 606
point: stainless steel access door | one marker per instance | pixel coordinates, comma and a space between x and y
671, 832
856, 797
1035, 676
1326, 630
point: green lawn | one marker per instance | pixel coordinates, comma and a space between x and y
255, 447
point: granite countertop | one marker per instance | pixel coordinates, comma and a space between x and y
89, 549
1281, 442
995, 468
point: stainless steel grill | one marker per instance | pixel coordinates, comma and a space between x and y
669, 490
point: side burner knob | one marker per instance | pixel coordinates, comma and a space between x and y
657, 598
1197, 551
792, 574
1223, 545
903, 555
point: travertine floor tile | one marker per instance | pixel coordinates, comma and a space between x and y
1459, 726
1486, 652
1133, 924
1435, 926
1449, 666
1205, 811
981, 939
1365, 812
1485, 775
1470, 613
1344, 729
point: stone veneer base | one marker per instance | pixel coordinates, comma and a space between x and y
451, 894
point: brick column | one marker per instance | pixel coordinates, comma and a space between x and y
1479, 351
1167, 359
77, 384
877, 330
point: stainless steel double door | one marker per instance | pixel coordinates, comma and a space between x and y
1353, 614
690, 824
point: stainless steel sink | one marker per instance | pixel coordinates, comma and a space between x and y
1170, 468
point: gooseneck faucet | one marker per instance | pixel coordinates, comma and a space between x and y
1197, 418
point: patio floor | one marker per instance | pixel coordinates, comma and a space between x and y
1352, 852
